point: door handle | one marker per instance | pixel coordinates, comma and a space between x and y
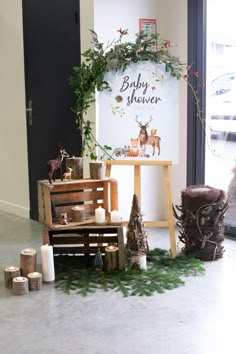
30, 111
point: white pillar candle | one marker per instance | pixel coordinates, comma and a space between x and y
115, 217
100, 215
48, 271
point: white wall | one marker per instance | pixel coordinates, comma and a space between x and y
14, 194
125, 14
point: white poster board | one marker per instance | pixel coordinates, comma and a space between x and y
139, 117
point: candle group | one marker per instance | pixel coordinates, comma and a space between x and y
100, 217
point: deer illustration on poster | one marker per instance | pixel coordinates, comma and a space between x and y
146, 139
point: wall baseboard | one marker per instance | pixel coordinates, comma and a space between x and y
14, 209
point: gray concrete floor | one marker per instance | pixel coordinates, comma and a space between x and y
197, 318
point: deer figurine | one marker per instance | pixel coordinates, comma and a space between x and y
67, 175
53, 165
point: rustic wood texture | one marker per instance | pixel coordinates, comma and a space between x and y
97, 169
76, 163
64, 196
45, 237
20, 286
35, 281
28, 258
137, 190
201, 221
78, 213
10, 273
111, 258
85, 240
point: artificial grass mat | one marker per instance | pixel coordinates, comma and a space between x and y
77, 274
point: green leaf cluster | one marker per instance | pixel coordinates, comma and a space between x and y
77, 274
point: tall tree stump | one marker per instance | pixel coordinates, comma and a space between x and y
201, 221
20, 286
10, 273
27, 261
35, 281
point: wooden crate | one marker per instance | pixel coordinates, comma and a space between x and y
65, 195
84, 240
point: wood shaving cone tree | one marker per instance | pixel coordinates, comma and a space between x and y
137, 245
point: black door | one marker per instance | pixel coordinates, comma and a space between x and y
52, 48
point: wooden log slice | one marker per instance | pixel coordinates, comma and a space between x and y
10, 273
20, 286
27, 261
35, 281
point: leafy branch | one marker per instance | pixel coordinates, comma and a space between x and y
116, 55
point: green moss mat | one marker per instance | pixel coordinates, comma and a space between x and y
76, 274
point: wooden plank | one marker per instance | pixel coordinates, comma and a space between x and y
47, 205
109, 163
60, 186
137, 181
121, 249
41, 211
114, 195
72, 225
77, 197
77, 250
108, 169
106, 194
170, 216
65, 240
45, 237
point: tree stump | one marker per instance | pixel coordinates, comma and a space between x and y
97, 169
10, 273
35, 281
111, 258
78, 213
76, 163
20, 286
27, 261
201, 221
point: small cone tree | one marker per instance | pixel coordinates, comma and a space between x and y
136, 233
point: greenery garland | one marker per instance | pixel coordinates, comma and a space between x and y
76, 274
117, 55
